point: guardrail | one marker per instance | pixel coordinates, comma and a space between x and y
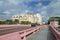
55, 32
13, 25
21, 35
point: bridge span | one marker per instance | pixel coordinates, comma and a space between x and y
44, 34
35, 33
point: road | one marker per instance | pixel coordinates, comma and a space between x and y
44, 34
7, 30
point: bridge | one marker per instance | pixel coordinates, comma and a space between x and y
43, 32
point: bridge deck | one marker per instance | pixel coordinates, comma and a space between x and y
44, 34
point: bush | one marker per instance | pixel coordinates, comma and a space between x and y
16, 21
2, 22
37, 23
25, 22
7, 22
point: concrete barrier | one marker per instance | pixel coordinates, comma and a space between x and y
55, 32
21, 35
13, 25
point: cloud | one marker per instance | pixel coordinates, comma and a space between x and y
7, 12
39, 5
13, 7
1, 2
54, 9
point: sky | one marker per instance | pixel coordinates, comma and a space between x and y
46, 8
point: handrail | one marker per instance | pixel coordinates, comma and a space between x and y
13, 25
20, 35
55, 32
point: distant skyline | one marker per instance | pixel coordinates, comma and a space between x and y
46, 8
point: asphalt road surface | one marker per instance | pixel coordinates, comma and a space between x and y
44, 34
7, 30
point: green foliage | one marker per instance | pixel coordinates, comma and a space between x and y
2, 22
25, 22
37, 24
16, 21
54, 18
9, 22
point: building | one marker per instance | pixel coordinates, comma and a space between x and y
39, 18
33, 18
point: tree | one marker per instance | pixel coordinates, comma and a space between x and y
54, 18
9, 22
16, 21
25, 22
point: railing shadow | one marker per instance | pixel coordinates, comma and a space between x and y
50, 35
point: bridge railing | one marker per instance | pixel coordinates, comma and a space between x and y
21, 35
13, 25
55, 32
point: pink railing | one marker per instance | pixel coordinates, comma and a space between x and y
21, 35
13, 25
55, 32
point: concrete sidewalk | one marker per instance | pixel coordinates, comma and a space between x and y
44, 34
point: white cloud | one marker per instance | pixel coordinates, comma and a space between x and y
6, 12
43, 12
15, 2
1, 2
54, 8
16, 6
39, 5
26, 11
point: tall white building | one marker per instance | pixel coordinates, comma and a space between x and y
33, 18
39, 18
